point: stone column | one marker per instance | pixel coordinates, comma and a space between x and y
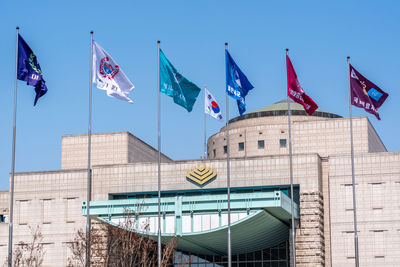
310, 243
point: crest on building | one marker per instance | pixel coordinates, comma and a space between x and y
201, 175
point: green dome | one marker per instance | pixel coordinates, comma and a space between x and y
281, 109
282, 105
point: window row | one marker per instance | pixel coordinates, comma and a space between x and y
260, 145
48, 210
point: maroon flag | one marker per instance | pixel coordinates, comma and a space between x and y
295, 92
365, 94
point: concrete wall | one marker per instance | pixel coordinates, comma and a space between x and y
140, 151
51, 200
324, 136
269, 170
374, 141
377, 177
250, 131
107, 148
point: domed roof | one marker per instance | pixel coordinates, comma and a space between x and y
282, 105
281, 109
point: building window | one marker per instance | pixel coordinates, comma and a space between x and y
241, 146
282, 142
225, 149
47, 208
214, 153
260, 144
24, 211
72, 207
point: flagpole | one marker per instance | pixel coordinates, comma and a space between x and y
10, 230
291, 181
352, 173
205, 125
159, 161
89, 172
228, 179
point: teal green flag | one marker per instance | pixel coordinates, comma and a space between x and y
173, 84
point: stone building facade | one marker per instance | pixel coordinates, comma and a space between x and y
123, 164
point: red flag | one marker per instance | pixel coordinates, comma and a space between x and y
295, 92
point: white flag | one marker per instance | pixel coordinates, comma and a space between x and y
211, 107
108, 76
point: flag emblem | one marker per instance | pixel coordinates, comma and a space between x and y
178, 77
374, 94
215, 107
353, 75
107, 70
32, 60
237, 79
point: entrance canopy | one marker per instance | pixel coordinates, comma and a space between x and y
199, 222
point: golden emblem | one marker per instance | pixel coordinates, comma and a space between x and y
364, 86
201, 175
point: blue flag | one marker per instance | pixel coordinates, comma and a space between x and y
237, 84
29, 69
173, 84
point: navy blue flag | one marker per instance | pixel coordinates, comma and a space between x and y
237, 84
29, 69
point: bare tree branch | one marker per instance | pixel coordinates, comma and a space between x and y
120, 246
29, 254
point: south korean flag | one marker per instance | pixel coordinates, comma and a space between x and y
211, 107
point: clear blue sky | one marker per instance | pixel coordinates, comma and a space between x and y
320, 34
